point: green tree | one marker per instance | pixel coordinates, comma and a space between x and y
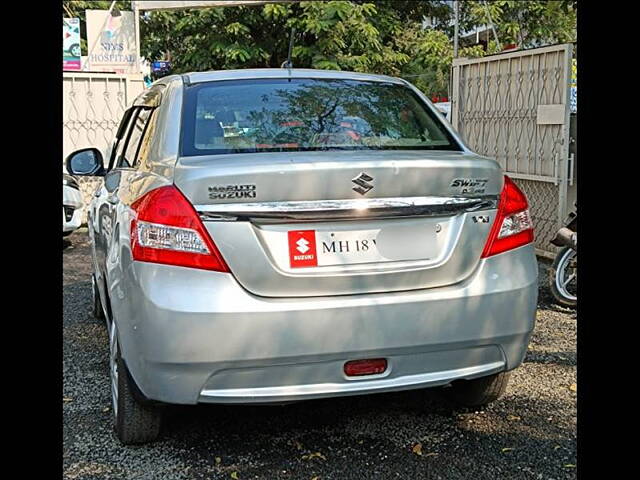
376, 36
345, 35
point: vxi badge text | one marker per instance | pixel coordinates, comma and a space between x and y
220, 192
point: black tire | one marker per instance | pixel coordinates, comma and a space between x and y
479, 391
96, 309
561, 262
135, 421
75, 50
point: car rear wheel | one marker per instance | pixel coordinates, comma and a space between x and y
479, 391
134, 421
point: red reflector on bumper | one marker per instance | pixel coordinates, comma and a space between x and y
373, 366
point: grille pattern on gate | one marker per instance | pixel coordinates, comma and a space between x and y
498, 107
93, 105
92, 111
543, 205
496, 103
88, 186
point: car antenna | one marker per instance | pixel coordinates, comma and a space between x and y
287, 63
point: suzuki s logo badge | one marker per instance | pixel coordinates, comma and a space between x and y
302, 248
362, 183
303, 245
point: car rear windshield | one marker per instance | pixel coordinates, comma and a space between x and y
270, 115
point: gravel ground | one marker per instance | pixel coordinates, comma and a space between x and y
529, 433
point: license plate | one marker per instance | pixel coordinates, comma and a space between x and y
315, 248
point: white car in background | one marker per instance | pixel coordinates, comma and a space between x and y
71, 204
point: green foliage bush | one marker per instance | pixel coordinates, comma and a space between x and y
384, 36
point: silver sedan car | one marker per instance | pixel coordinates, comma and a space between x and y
278, 235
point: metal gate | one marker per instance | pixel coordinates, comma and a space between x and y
93, 104
515, 107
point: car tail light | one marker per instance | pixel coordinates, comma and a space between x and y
167, 229
512, 227
370, 366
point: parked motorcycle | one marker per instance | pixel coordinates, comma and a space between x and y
563, 277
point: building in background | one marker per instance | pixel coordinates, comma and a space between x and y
480, 35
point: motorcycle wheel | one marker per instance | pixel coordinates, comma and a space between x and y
563, 277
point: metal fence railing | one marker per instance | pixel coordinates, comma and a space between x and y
515, 107
93, 104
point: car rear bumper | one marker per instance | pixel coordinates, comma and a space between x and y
192, 336
74, 223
